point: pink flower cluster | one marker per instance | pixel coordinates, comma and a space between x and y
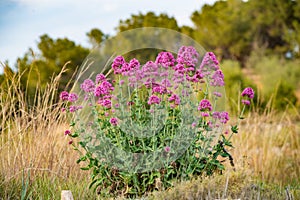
166, 59
100, 89
204, 105
222, 116
247, 93
210, 68
70, 97
188, 56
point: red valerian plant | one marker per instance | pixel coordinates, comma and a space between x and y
152, 123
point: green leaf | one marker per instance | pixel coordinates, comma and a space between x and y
84, 168
74, 135
72, 124
234, 129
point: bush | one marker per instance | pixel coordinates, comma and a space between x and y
148, 127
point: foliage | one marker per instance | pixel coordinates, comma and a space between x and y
148, 20
232, 28
279, 79
54, 54
186, 138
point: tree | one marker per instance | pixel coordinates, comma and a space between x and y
233, 28
148, 20
221, 28
52, 56
96, 36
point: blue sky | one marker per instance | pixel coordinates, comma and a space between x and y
23, 21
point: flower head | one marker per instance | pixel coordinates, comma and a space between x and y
167, 149
67, 132
174, 98
64, 95
217, 78
166, 59
249, 92
103, 89
87, 85
154, 100
105, 103
74, 108
72, 97
118, 64
188, 56
204, 105
246, 102
113, 121
217, 94
100, 78
222, 116
209, 63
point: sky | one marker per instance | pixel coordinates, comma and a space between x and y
22, 22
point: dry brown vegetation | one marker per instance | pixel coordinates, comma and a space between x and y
266, 153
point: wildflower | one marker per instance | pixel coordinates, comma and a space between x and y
113, 121
188, 56
134, 64
70, 142
154, 100
166, 82
166, 59
246, 102
64, 95
87, 85
63, 109
209, 63
159, 89
100, 78
217, 78
204, 114
149, 67
105, 103
74, 108
167, 149
194, 124
121, 82
103, 89
118, 64
204, 105
164, 74
224, 117
179, 68
72, 97
217, 94
174, 98
67, 132
249, 92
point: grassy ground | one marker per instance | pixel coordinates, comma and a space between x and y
36, 161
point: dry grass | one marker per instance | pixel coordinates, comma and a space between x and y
269, 146
31, 140
31, 137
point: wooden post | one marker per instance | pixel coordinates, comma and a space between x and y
66, 195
